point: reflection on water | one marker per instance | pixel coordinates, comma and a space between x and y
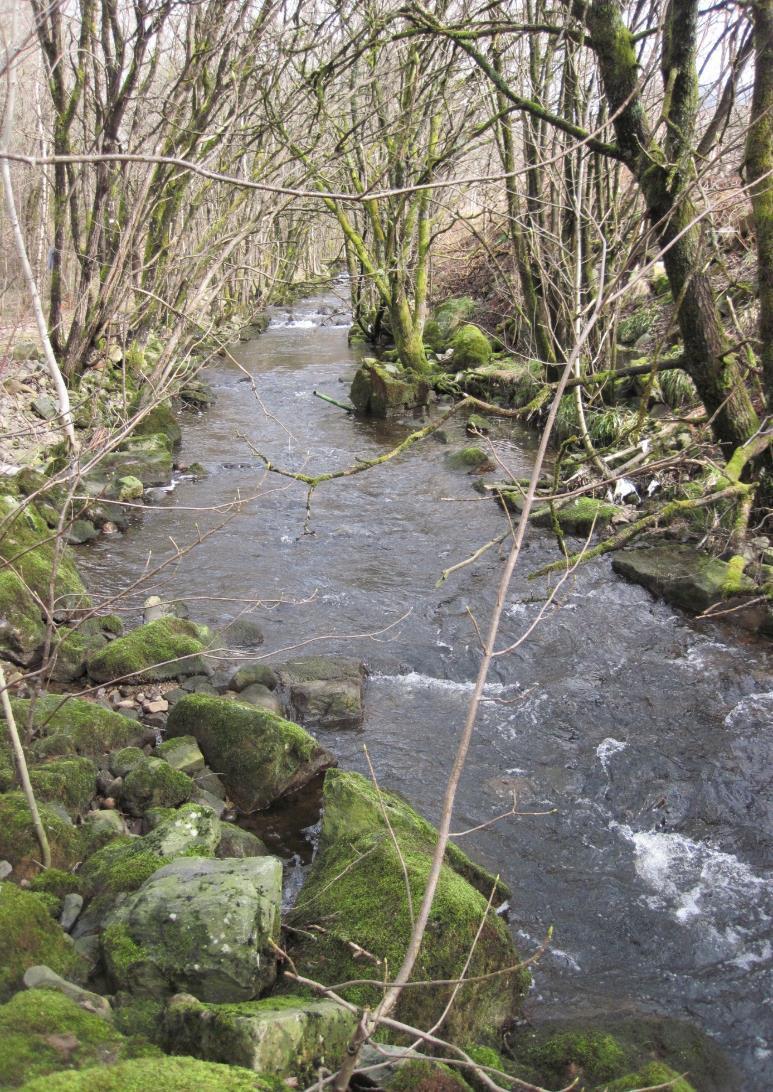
645, 732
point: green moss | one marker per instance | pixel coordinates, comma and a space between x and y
472, 349
423, 1075
122, 865
125, 953
160, 419
446, 319
19, 844
160, 1075
28, 936
650, 1076
56, 881
74, 727
139, 1017
42, 1031
579, 517
21, 625
68, 781
734, 581
7, 768
160, 650
596, 1054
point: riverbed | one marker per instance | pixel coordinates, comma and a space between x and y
641, 739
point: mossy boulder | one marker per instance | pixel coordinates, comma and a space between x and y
28, 557
159, 1074
357, 886
160, 419
146, 457
445, 320
42, 1032
579, 517
74, 727
259, 755
615, 1050
685, 577
472, 349
164, 649
70, 653
468, 458
207, 927
383, 390
324, 692
255, 674
424, 1075
30, 936
153, 783
653, 1075
182, 753
238, 843
285, 1037
19, 844
125, 863
68, 781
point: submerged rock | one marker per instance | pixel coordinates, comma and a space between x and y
681, 575
204, 926
164, 649
621, 1053
324, 692
278, 1037
357, 887
260, 756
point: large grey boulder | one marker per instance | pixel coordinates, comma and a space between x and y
202, 926
278, 1037
324, 692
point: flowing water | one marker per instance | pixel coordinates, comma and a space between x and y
647, 734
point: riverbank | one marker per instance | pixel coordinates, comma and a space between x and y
366, 572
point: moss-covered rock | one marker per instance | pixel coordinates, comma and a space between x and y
124, 760
653, 1075
382, 390
259, 674
19, 843
357, 887
70, 651
445, 320
21, 624
182, 753
29, 936
147, 457
616, 1050
67, 726
159, 1074
164, 649
681, 575
468, 458
237, 843
579, 517
208, 927
424, 1075
160, 419
125, 864
472, 349
260, 756
153, 783
42, 1031
68, 781
278, 1037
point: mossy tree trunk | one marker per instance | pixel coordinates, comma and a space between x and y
759, 175
665, 175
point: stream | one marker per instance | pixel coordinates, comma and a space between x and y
647, 733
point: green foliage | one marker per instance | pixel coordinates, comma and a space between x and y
611, 425
677, 388
637, 324
567, 422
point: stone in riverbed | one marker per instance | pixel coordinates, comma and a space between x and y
684, 577
260, 756
259, 695
357, 886
182, 753
164, 649
279, 1037
199, 925
153, 783
257, 674
324, 692
380, 390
